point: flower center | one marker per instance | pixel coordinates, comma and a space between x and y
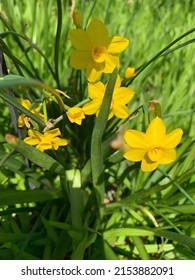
77, 115
98, 53
156, 153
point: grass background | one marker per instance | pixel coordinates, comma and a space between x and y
149, 215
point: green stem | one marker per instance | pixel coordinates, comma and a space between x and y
57, 42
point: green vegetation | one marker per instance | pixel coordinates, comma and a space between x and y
85, 201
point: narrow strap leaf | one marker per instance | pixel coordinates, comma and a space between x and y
96, 142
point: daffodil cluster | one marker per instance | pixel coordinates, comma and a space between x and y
95, 51
42, 141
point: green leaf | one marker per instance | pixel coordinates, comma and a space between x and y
12, 81
14, 237
73, 178
182, 239
81, 245
108, 252
9, 99
96, 142
16, 197
113, 233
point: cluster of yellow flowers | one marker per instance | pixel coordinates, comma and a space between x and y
96, 53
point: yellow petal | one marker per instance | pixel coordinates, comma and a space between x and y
172, 139
21, 120
75, 115
59, 142
111, 62
35, 134
49, 134
96, 90
148, 165
136, 139
78, 121
94, 71
120, 111
98, 33
24, 102
123, 95
169, 156
117, 45
31, 141
80, 59
80, 39
117, 83
155, 131
109, 116
44, 146
92, 107
134, 154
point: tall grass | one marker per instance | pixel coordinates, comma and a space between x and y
48, 201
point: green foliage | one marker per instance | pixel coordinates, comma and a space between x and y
52, 205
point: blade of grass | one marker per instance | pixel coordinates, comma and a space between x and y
137, 241
12, 81
141, 68
177, 185
43, 213
16, 197
182, 239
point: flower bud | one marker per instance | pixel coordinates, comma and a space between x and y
77, 18
154, 109
129, 72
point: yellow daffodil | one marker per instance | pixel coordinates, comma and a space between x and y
21, 119
94, 50
121, 97
47, 140
153, 147
76, 115
129, 72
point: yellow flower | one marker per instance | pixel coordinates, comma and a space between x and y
26, 103
129, 72
76, 115
47, 140
121, 96
94, 50
153, 147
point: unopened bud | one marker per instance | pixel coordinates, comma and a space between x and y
154, 109
11, 139
129, 72
77, 18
